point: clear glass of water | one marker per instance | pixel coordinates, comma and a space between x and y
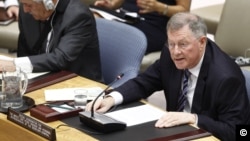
80, 99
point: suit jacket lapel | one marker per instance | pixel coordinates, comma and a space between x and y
174, 90
201, 83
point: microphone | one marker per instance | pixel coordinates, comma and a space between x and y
101, 122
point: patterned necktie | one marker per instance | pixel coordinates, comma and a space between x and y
182, 98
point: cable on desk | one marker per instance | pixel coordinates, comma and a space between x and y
81, 129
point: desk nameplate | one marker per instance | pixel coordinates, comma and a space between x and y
31, 124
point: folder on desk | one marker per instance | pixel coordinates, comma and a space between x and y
54, 111
48, 79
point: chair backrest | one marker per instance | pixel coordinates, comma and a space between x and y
122, 48
247, 77
233, 31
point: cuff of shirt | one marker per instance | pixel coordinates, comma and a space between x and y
10, 3
196, 120
24, 63
117, 97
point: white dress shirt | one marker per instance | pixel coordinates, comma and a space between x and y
24, 63
8, 3
192, 84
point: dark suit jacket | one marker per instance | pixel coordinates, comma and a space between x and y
74, 44
220, 98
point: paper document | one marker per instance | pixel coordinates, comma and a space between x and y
107, 15
137, 115
65, 94
63, 108
34, 75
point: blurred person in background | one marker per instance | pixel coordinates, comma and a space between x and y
57, 35
155, 15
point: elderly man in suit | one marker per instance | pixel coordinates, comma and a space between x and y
213, 93
57, 35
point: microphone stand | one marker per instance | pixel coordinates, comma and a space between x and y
92, 107
101, 122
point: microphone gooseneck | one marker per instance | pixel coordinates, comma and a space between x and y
101, 122
92, 106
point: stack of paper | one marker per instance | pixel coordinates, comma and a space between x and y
137, 115
66, 94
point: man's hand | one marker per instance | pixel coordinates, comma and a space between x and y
147, 6
104, 3
175, 118
101, 105
6, 61
13, 12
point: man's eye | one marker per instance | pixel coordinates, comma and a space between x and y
182, 44
171, 45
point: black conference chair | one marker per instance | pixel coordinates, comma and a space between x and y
122, 48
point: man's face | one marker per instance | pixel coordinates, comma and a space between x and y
36, 9
185, 49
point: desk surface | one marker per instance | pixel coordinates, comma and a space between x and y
62, 133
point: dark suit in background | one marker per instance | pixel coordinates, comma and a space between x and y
220, 98
73, 45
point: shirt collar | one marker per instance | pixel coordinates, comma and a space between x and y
196, 70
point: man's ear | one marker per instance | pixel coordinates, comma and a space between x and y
203, 41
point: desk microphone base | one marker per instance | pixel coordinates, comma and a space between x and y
101, 123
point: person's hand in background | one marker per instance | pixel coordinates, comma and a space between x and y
6, 61
13, 11
104, 3
147, 6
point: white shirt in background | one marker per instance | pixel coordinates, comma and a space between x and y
8, 3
